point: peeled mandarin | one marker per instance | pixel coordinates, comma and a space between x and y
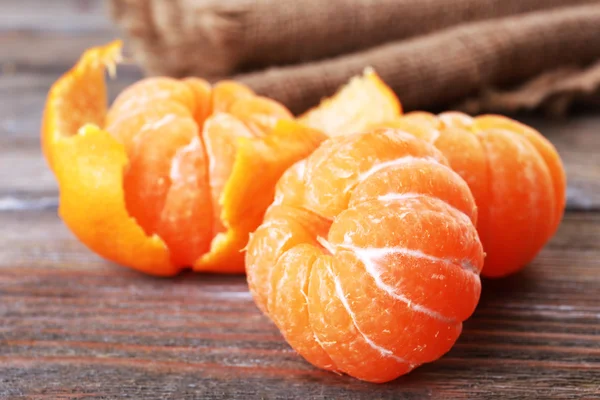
175, 174
368, 260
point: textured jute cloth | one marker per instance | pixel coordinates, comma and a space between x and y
431, 52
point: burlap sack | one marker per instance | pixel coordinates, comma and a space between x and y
554, 92
215, 38
448, 65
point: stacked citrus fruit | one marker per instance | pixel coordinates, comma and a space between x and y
514, 173
369, 226
161, 180
368, 260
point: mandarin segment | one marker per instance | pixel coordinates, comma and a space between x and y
186, 220
287, 227
153, 116
226, 93
147, 91
522, 202
364, 266
203, 94
294, 272
148, 177
546, 150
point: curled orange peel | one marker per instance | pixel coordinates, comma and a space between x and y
79, 97
89, 164
89, 169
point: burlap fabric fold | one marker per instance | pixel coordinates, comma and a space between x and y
431, 52
221, 37
443, 67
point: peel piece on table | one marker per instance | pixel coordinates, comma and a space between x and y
78, 97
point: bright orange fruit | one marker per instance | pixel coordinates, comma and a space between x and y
368, 260
364, 101
175, 174
515, 175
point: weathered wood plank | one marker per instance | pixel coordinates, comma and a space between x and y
46, 53
71, 16
77, 325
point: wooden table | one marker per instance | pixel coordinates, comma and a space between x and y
75, 326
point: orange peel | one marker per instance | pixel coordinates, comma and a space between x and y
89, 168
363, 102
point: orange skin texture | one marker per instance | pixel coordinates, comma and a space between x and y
364, 101
514, 173
368, 260
155, 182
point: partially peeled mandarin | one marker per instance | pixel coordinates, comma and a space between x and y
175, 174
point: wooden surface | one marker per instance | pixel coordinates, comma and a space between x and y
75, 326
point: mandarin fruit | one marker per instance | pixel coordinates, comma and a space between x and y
175, 173
514, 173
368, 260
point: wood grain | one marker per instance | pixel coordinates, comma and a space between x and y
86, 327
